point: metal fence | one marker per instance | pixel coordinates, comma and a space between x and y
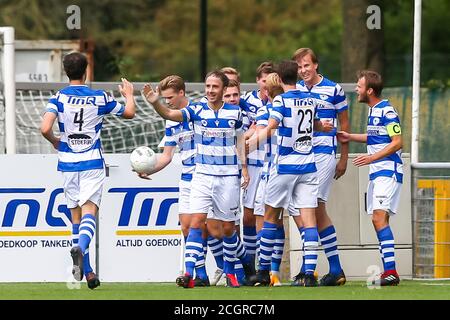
431, 226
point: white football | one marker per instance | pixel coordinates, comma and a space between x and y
143, 159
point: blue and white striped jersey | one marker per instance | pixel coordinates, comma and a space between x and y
244, 108
381, 115
215, 135
80, 112
255, 158
332, 101
262, 119
295, 111
181, 134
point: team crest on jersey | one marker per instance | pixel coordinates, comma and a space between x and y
191, 126
231, 123
204, 123
376, 121
323, 97
252, 109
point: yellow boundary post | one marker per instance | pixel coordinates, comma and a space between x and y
441, 225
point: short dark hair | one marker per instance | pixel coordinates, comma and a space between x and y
219, 74
287, 70
265, 67
75, 64
373, 80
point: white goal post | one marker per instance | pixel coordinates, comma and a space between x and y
9, 88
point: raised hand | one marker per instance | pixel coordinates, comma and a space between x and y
150, 95
126, 89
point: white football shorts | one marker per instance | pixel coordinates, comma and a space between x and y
249, 194
219, 193
260, 198
184, 197
83, 186
383, 193
301, 190
326, 167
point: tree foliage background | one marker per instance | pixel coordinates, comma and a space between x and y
149, 39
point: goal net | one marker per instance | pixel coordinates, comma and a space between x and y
118, 135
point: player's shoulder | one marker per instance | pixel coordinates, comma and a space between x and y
82, 90
388, 110
327, 82
172, 124
293, 94
243, 104
251, 96
246, 95
55, 96
300, 85
100, 96
197, 106
331, 88
227, 106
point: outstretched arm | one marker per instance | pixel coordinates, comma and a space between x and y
260, 135
344, 137
152, 97
392, 147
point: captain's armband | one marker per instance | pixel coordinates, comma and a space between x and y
394, 129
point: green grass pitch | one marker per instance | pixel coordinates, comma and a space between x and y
352, 290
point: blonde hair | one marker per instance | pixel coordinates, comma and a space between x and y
273, 85
233, 71
172, 82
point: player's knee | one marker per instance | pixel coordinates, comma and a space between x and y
249, 218
215, 233
185, 230
228, 229
379, 219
